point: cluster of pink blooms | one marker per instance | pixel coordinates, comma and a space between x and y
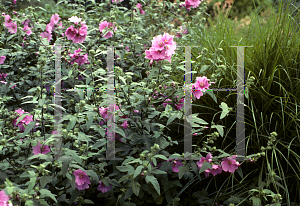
229, 164
117, 1
4, 199
10, 25
139, 6
182, 31
107, 25
82, 182
27, 119
79, 33
52, 26
191, 3
162, 48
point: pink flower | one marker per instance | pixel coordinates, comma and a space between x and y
103, 188
104, 25
13, 86
180, 103
3, 197
202, 83
13, 28
46, 35
39, 149
54, 19
15, 1
139, 5
49, 28
8, 21
3, 82
2, 59
203, 159
194, 3
168, 102
125, 125
216, 169
27, 29
70, 32
82, 180
229, 164
176, 164
80, 34
117, 1
196, 92
54, 132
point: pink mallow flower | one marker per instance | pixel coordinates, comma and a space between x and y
108, 25
12, 28
47, 35
39, 149
54, 19
103, 188
2, 59
175, 164
229, 164
117, 1
203, 159
82, 179
4, 199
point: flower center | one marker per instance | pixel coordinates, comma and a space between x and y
201, 84
80, 175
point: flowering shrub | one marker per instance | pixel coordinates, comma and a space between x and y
148, 172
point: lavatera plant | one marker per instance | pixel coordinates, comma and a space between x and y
148, 167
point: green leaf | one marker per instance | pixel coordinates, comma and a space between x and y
150, 167
123, 80
138, 171
255, 200
205, 166
161, 157
71, 123
174, 156
177, 115
87, 201
31, 184
181, 172
134, 161
204, 68
240, 172
40, 156
74, 155
211, 93
225, 110
156, 171
154, 182
128, 193
136, 188
219, 128
29, 203
93, 174
28, 128
195, 169
99, 143
44, 180
47, 193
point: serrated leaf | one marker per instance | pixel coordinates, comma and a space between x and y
154, 182
44, 180
171, 119
156, 171
93, 174
74, 156
136, 188
138, 171
47, 193
195, 169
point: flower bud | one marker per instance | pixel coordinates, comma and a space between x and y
148, 73
173, 83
